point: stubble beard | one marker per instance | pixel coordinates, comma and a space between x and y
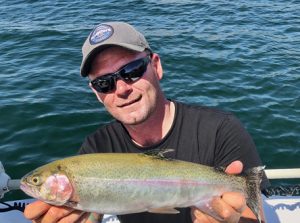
140, 119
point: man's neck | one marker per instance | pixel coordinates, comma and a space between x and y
155, 128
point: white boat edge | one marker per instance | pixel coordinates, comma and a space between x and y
278, 209
293, 173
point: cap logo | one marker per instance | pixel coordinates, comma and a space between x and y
100, 34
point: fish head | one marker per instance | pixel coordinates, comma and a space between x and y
50, 186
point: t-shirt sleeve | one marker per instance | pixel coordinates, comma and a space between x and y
233, 142
87, 146
107, 139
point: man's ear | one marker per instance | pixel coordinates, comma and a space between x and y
157, 65
96, 93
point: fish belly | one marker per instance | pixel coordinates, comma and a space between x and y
124, 196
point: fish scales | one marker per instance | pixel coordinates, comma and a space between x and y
139, 176
130, 183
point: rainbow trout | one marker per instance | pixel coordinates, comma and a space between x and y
112, 183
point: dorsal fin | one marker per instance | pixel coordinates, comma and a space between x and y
159, 153
220, 169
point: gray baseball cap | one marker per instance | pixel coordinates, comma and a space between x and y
110, 34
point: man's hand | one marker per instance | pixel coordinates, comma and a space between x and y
229, 206
40, 212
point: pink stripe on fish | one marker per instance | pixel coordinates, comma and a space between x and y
161, 182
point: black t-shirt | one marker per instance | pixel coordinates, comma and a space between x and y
198, 134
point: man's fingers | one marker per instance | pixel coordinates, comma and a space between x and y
228, 207
236, 167
84, 218
36, 209
236, 200
225, 211
75, 216
200, 217
54, 214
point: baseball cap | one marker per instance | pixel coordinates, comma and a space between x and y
110, 34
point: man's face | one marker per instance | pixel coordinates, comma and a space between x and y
130, 103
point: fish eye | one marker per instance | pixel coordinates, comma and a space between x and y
35, 180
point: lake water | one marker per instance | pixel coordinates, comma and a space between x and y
240, 56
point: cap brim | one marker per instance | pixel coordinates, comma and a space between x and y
86, 63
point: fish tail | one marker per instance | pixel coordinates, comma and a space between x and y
253, 180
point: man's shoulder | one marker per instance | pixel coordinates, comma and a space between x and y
103, 139
205, 112
107, 129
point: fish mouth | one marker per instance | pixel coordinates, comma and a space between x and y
27, 190
130, 102
32, 193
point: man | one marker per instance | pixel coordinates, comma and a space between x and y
124, 74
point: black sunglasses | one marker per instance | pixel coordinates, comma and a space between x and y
130, 73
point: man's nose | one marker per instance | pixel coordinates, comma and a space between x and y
123, 89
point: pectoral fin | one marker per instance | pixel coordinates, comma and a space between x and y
164, 210
205, 207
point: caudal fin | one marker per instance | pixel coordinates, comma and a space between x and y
253, 180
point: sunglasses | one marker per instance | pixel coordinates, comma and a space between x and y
129, 73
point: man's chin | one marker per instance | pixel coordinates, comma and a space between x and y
133, 120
